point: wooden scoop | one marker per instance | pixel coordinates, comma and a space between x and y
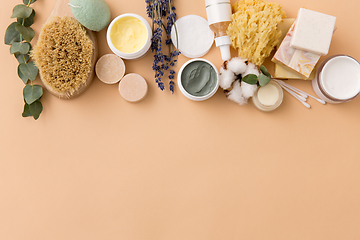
62, 8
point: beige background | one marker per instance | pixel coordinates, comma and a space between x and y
98, 167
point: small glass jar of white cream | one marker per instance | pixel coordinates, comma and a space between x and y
129, 36
337, 79
269, 97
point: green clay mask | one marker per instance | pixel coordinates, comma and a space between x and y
199, 78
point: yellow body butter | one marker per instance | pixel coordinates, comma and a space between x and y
128, 34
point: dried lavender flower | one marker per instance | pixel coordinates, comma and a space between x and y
162, 13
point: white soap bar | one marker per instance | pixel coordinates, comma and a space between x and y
299, 61
313, 31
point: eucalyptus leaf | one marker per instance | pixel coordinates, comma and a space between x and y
22, 58
21, 75
265, 71
26, 112
27, 32
27, 21
250, 79
15, 48
11, 34
263, 80
20, 47
32, 93
35, 109
28, 70
21, 11
28, 2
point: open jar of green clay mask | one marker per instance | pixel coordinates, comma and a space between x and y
198, 79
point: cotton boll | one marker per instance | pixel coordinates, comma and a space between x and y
251, 69
236, 94
248, 90
226, 78
237, 65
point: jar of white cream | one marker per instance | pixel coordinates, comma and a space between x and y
337, 79
129, 36
268, 97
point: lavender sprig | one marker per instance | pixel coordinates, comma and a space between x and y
158, 10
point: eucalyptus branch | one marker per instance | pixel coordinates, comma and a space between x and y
19, 35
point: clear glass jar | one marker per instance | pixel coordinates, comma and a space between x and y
261, 104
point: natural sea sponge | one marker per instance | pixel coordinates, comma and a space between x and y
63, 55
254, 29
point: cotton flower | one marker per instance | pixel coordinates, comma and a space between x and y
248, 90
251, 69
236, 94
237, 65
226, 78
231, 74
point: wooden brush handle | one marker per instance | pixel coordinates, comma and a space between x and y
61, 8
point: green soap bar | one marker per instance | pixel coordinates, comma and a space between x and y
92, 14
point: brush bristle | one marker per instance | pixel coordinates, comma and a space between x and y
63, 55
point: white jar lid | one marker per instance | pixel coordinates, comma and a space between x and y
194, 36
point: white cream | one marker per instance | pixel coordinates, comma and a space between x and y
340, 77
268, 95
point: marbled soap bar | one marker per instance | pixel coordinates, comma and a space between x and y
304, 62
297, 61
313, 31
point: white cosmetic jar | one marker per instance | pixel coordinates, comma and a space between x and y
135, 55
189, 95
337, 79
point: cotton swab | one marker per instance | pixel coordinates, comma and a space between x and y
298, 97
298, 90
317, 99
301, 97
292, 88
302, 92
